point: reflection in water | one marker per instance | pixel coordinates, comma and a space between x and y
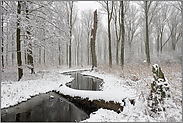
50, 109
83, 82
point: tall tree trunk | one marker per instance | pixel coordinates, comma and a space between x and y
66, 53
123, 35
158, 42
25, 54
109, 38
109, 31
30, 58
161, 43
70, 26
117, 52
12, 55
70, 53
30, 53
44, 57
105, 51
88, 48
19, 59
147, 34
93, 36
39, 55
2, 41
59, 59
7, 54
78, 54
117, 35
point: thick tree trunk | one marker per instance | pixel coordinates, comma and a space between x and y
93, 36
123, 35
147, 35
19, 59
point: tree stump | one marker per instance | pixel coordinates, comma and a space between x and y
159, 90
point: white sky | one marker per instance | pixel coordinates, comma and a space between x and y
83, 5
93, 5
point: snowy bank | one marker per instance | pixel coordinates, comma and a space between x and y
13, 93
111, 90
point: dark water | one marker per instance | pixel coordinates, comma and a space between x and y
84, 82
44, 108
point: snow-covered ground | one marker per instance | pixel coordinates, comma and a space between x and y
114, 88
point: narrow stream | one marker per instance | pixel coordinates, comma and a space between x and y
52, 106
44, 107
84, 82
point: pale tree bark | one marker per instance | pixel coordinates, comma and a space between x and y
71, 20
19, 59
93, 37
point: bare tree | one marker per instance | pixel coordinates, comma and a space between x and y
71, 20
150, 8
147, 6
132, 26
2, 38
93, 36
160, 22
30, 58
123, 34
19, 58
108, 6
175, 27
87, 20
118, 29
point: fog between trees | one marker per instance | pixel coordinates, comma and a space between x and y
53, 33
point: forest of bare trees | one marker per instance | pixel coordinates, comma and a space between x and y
36, 33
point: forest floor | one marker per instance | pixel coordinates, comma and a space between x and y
133, 81
139, 77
